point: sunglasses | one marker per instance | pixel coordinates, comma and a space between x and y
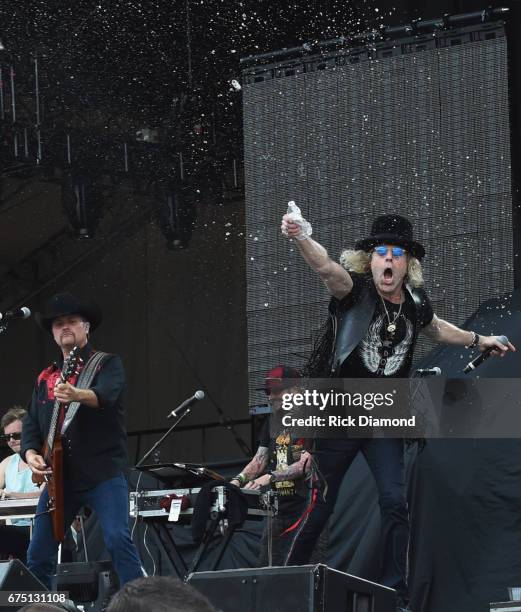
11, 436
396, 251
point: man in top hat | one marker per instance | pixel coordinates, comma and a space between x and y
94, 441
283, 463
377, 309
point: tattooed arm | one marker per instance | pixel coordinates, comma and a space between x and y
255, 467
296, 470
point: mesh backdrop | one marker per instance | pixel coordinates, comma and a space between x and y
419, 128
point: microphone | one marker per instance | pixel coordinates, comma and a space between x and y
424, 372
198, 395
19, 313
472, 365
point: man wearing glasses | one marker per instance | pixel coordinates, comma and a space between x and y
377, 310
15, 483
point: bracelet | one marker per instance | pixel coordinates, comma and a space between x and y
241, 478
475, 341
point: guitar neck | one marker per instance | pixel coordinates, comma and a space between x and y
69, 366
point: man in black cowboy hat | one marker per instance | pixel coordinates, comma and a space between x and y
377, 310
94, 439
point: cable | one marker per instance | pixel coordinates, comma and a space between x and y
148, 551
137, 506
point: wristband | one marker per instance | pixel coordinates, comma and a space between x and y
241, 478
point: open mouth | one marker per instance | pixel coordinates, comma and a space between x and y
388, 275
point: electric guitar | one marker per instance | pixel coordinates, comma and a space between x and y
52, 453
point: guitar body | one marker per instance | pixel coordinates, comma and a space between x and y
55, 507
52, 453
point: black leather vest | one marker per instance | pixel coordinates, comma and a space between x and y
351, 325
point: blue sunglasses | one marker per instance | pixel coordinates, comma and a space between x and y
396, 251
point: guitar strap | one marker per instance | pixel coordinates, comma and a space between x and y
84, 381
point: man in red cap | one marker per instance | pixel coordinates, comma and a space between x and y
284, 464
377, 310
94, 440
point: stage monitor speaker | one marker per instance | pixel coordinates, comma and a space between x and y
90, 585
306, 588
15, 577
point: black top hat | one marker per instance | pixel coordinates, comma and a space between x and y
392, 229
63, 304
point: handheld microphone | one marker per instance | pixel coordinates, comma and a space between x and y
472, 365
18, 313
198, 395
425, 372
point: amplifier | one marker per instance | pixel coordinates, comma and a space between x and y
306, 588
90, 584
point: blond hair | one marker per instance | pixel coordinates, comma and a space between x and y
360, 261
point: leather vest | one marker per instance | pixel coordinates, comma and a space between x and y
351, 325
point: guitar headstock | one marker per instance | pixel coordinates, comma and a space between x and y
71, 364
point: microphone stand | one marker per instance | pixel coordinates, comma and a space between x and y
160, 441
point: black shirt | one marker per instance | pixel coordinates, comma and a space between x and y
95, 444
282, 452
382, 353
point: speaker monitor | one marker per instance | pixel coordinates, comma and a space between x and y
90, 584
15, 577
307, 588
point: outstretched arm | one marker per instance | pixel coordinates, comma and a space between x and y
335, 277
447, 333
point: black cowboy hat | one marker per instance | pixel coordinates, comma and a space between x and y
63, 304
392, 229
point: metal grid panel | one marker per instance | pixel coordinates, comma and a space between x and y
424, 134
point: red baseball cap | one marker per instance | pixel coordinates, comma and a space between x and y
276, 376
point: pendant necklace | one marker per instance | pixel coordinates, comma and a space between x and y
391, 327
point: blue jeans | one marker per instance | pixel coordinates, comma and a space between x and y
109, 500
385, 458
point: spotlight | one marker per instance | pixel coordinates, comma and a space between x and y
147, 135
81, 203
235, 84
176, 218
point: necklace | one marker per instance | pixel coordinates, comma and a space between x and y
391, 328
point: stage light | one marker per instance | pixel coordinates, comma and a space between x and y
176, 219
81, 203
146, 134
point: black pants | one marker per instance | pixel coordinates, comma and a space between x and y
14, 542
385, 458
281, 544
